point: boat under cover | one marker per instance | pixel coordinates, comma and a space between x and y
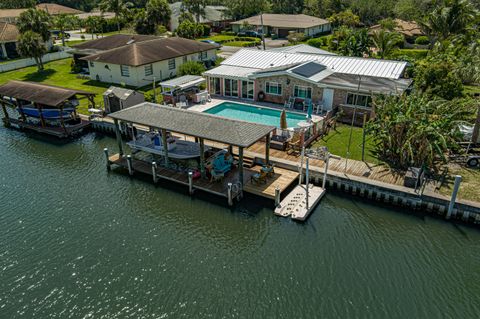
177, 148
48, 113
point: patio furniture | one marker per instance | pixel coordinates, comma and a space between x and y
216, 176
260, 177
269, 170
294, 144
222, 162
279, 142
306, 103
290, 103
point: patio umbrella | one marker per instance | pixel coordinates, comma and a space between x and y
309, 111
283, 120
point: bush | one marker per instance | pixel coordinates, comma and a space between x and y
230, 33
296, 37
409, 54
75, 68
422, 40
191, 68
206, 30
318, 42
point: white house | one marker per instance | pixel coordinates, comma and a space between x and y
140, 63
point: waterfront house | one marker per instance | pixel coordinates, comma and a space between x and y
333, 82
140, 63
280, 25
215, 16
8, 41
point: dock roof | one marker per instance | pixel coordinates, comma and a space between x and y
39, 93
197, 124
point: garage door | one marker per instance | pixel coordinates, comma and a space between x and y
282, 33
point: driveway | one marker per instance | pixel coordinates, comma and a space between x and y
227, 51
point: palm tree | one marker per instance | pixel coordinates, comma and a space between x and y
63, 22
386, 42
37, 20
119, 7
30, 45
195, 7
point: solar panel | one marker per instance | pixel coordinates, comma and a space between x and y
309, 69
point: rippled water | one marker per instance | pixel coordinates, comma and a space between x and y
79, 242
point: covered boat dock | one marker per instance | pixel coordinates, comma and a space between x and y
207, 130
43, 108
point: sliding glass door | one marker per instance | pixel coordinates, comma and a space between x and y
247, 90
230, 87
215, 86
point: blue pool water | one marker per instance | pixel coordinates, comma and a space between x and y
254, 114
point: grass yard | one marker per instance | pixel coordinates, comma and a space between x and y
337, 143
470, 185
58, 73
73, 42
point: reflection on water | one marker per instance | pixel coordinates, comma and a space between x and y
78, 242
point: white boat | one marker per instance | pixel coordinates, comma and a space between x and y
177, 148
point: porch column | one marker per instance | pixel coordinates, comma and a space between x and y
202, 157
240, 165
165, 146
267, 149
4, 51
119, 137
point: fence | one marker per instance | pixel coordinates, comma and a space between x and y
18, 64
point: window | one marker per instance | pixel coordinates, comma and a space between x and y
148, 70
185, 58
125, 70
247, 90
362, 100
303, 92
215, 86
230, 87
92, 64
273, 88
202, 56
171, 64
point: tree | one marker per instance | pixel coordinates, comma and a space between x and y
16, 4
30, 45
437, 77
195, 7
240, 9
386, 42
63, 22
37, 20
415, 130
356, 43
159, 12
185, 16
189, 30
95, 24
143, 24
191, 68
119, 7
346, 18
452, 17
287, 6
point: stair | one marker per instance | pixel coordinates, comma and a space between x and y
248, 161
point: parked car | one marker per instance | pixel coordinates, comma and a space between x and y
57, 34
253, 34
211, 42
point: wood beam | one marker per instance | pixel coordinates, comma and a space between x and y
165, 146
267, 149
119, 137
202, 157
240, 165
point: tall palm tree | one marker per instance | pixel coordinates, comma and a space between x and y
30, 45
63, 22
386, 42
119, 7
37, 20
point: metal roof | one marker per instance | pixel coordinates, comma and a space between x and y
301, 48
207, 126
339, 64
231, 72
366, 83
183, 81
120, 93
296, 21
39, 93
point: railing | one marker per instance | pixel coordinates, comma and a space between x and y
23, 63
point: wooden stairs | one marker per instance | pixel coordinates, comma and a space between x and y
248, 162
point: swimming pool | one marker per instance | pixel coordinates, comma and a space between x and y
255, 114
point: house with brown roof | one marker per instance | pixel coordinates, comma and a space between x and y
11, 15
8, 41
409, 29
281, 24
138, 63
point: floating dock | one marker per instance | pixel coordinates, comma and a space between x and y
295, 203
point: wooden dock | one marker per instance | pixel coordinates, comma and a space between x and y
295, 203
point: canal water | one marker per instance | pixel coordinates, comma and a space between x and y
79, 242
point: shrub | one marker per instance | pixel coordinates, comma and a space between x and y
296, 37
318, 42
206, 30
230, 33
191, 68
422, 40
409, 54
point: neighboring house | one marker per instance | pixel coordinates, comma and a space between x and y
103, 44
330, 80
116, 99
8, 41
215, 16
281, 24
11, 15
409, 29
301, 48
139, 63
105, 15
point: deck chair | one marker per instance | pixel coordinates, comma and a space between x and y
306, 103
290, 103
293, 145
318, 107
183, 102
216, 177
260, 177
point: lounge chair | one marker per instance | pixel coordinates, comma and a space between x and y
294, 144
290, 103
318, 107
216, 176
259, 177
306, 103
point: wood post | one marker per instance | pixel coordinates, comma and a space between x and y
40, 111
240, 167
105, 150
129, 164
277, 196
154, 172
61, 119
456, 186
324, 182
267, 149
229, 194
202, 157
190, 183
119, 137
307, 183
165, 146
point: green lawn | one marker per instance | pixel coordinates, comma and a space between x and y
73, 42
337, 143
470, 186
58, 73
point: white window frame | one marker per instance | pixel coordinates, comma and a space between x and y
125, 70
297, 88
172, 65
269, 84
233, 84
353, 94
148, 69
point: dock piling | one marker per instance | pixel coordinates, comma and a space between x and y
129, 164
190, 183
324, 182
229, 193
277, 196
154, 171
456, 186
105, 150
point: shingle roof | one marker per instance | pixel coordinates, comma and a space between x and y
212, 13
113, 42
299, 21
54, 9
207, 126
39, 93
8, 32
120, 93
147, 52
408, 28
11, 13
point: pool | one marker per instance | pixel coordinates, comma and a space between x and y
255, 114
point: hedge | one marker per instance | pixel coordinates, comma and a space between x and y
409, 54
